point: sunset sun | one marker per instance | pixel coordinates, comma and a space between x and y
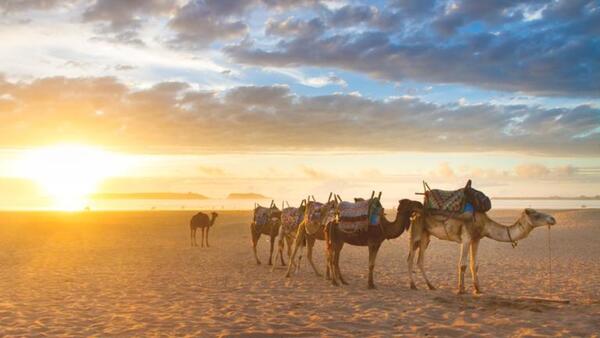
69, 173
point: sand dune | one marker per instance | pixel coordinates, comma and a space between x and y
134, 273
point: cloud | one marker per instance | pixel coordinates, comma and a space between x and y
212, 171
315, 174
532, 171
125, 14
322, 81
199, 23
557, 57
23, 5
174, 115
120, 20
523, 171
293, 27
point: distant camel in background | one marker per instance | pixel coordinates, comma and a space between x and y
201, 220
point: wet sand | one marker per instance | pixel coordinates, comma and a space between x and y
134, 273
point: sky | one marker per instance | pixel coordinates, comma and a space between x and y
287, 98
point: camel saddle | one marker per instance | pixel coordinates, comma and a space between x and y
358, 216
465, 200
314, 217
290, 218
263, 215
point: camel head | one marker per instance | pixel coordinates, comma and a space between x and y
214, 215
409, 206
536, 219
406, 209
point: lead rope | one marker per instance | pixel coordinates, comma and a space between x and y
512, 242
549, 262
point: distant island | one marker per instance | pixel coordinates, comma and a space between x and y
246, 196
552, 198
150, 196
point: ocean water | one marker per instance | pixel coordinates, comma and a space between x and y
233, 204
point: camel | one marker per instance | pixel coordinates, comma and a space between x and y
201, 220
266, 221
467, 233
309, 230
290, 219
371, 238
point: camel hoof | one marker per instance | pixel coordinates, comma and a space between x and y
431, 287
257, 262
344, 282
372, 287
460, 292
413, 286
477, 292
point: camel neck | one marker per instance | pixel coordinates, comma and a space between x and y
392, 229
503, 233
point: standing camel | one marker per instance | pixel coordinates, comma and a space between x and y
290, 219
200, 220
266, 221
312, 227
372, 237
467, 234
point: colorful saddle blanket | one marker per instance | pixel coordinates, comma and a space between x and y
355, 217
290, 218
445, 200
263, 215
315, 217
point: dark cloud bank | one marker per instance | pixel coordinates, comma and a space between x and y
251, 118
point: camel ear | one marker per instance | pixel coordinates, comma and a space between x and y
529, 211
468, 184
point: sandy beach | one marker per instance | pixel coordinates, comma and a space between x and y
134, 273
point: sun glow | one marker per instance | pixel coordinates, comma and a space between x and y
69, 173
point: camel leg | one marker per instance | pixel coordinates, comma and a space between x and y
300, 255
289, 240
280, 252
280, 247
202, 238
336, 261
191, 237
473, 265
421, 259
373, 249
272, 242
207, 228
462, 262
299, 238
334, 250
309, 251
412, 247
255, 237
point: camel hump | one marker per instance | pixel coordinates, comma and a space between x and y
199, 218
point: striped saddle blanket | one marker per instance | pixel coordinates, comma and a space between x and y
263, 215
315, 216
445, 200
290, 218
355, 217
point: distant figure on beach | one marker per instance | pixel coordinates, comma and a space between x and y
201, 220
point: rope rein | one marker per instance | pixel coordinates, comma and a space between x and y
512, 241
549, 262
